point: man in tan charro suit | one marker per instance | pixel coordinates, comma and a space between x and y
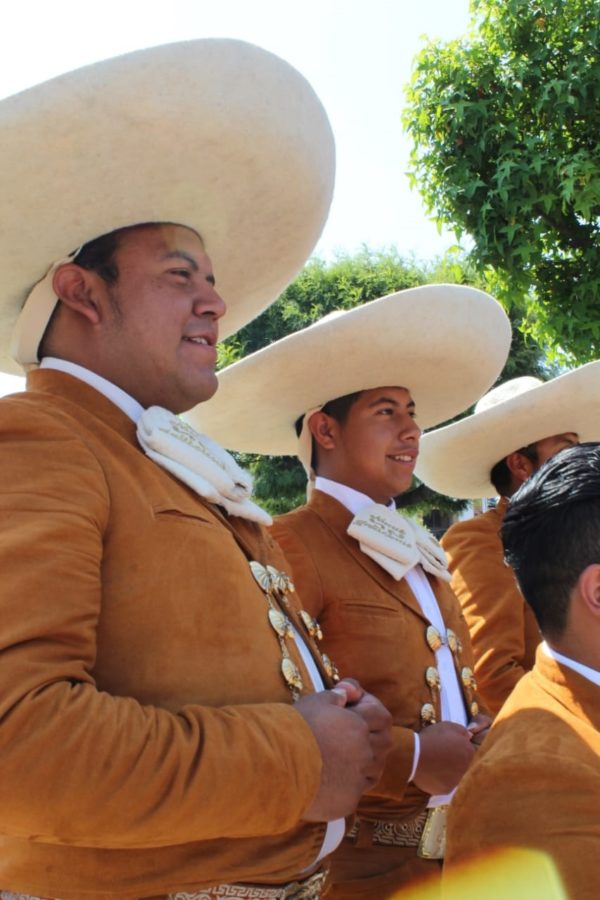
476, 457
357, 383
161, 733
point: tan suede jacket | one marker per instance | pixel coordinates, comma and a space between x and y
147, 738
535, 783
374, 629
504, 632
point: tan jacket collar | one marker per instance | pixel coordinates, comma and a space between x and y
576, 693
72, 390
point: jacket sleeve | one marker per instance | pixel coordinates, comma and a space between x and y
81, 766
398, 766
493, 608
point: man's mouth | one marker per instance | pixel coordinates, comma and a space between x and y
403, 457
198, 340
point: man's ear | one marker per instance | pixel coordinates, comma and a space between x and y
77, 289
324, 430
520, 467
588, 586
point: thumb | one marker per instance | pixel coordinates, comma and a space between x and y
354, 692
338, 695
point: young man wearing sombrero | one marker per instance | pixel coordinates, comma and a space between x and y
536, 782
514, 429
355, 385
160, 734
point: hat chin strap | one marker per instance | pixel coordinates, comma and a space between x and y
34, 317
305, 448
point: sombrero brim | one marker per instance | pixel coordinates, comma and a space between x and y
218, 135
445, 343
457, 460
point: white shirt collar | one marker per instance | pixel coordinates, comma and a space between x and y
126, 404
354, 501
592, 675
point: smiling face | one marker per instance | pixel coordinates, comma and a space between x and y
161, 326
374, 450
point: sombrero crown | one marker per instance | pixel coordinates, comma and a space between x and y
217, 135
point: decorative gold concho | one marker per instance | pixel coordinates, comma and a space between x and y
279, 580
468, 679
292, 675
281, 624
428, 716
432, 677
452, 640
311, 625
330, 667
433, 638
474, 708
261, 575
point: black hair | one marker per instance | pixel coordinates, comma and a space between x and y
501, 476
338, 409
551, 532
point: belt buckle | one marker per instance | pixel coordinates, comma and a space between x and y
432, 844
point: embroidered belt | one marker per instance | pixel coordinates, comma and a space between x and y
426, 833
308, 889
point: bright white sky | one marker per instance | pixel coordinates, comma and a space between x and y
356, 53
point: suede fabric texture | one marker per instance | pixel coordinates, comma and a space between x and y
504, 631
374, 629
536, 780
147, 738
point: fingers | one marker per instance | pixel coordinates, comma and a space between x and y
374, 713
479, 736
352, 689
479, 723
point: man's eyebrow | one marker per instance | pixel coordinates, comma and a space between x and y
410, 404
182, 254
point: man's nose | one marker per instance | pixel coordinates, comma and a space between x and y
209, 302
410, 428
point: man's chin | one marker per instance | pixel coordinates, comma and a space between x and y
199, 393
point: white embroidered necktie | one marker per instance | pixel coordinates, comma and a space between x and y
397, 543
199, 462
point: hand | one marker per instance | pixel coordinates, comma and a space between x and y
445, 753
349, 728
379, 723
479, 728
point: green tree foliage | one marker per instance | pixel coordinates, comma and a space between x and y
505, 127
280, 483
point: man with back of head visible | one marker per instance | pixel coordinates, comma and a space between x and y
164, 728
515, 428
539, 770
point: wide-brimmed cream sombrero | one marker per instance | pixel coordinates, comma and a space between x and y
457, 460
445, 343
218, 135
